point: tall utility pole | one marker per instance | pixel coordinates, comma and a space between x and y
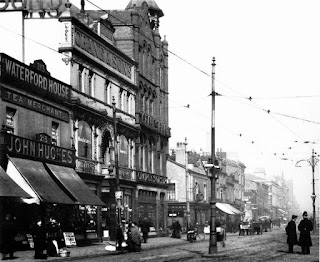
213, 234
313, 161
187, 185
118, 193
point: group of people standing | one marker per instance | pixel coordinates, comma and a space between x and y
47, 238
305, 227
134, 238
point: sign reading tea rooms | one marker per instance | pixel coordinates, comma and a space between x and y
32, 80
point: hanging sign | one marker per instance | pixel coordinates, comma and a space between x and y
118, 194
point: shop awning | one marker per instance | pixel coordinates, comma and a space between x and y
9, 188
225, 208
75, 185
235, 210
33, 178
229, 209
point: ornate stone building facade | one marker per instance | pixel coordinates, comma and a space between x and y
115, 118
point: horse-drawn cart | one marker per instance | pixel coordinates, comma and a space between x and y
250, 228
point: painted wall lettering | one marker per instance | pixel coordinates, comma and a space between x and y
91, 46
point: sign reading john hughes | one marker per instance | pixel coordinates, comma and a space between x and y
20, 146
32, 79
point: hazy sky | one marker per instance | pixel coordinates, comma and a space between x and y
267, 50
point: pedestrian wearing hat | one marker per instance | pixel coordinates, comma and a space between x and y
291, 230
39, 239
305, 227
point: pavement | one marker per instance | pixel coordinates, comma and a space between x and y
98, 249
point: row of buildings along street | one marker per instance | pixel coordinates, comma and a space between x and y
239, 194
86, 136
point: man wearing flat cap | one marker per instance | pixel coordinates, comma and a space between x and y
292, 233
305, 227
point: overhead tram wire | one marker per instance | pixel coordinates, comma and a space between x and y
184, 60
287, 97
28, 38
52, 49
253, 142
257, 106
197, 68
269, 112
279, 97
148, 38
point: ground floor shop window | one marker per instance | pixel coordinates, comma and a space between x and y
81, 220
200, 218
148, 211
147, 207
85, 222
175, 215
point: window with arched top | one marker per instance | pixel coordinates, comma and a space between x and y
108, 96
84, 140
123, 152
123, 100
107, 149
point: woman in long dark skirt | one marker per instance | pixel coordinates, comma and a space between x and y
39, 239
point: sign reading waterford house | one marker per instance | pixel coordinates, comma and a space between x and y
32, 79
19, 146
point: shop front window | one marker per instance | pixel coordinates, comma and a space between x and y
85, 222
147, 206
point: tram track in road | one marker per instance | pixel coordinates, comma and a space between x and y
248, 248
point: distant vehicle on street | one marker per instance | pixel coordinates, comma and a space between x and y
266, 223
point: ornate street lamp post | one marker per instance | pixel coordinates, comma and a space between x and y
312, 162
118, 193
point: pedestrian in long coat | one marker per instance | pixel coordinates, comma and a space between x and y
145, 228
305, 227
7, 234
39, 239
176, 230
291, 230
134, 238
119, 237
54, 237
